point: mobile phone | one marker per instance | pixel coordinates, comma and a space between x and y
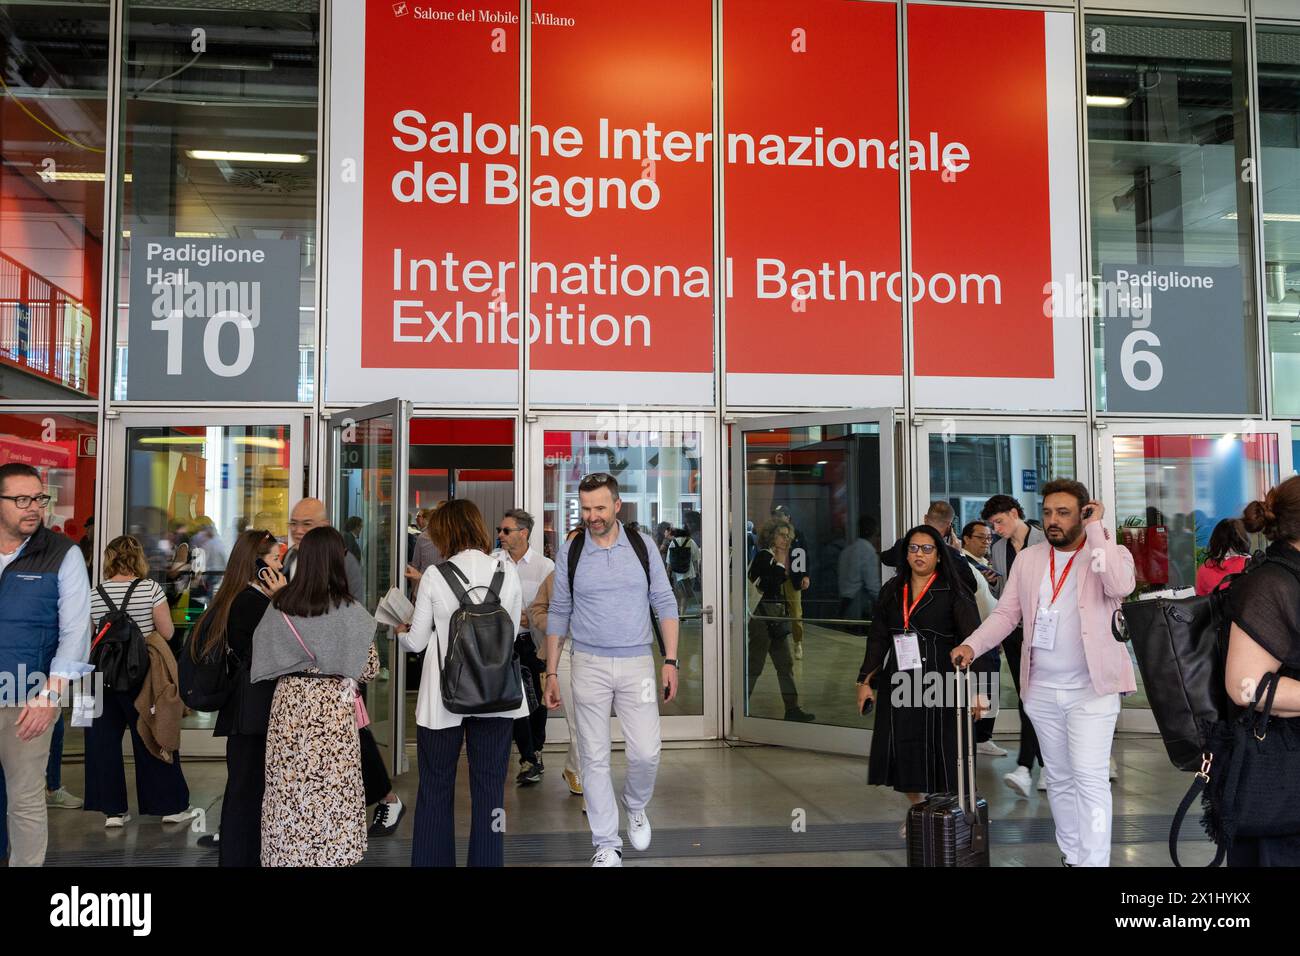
1087, 512
665, 693
866, 706
264, 574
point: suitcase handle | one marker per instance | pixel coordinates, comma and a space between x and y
966, 758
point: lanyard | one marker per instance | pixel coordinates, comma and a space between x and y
1057, 586
907, 611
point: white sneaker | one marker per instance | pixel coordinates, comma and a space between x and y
62, 798
798, 651
638, 830
115, 823
185, 816
607, 856
1019, 781
989, 748
1042, 781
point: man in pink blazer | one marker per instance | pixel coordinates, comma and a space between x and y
1073, 671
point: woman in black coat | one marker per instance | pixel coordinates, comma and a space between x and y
769, 628
914, 747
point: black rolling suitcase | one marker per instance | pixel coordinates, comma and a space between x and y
949, 829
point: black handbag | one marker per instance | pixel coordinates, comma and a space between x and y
1181, 647
1249, 779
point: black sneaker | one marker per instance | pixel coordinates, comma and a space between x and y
387, 817
800, 716
530, 771
209, 841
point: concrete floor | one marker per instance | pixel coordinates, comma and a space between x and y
714, 805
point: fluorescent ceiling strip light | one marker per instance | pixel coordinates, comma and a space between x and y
1271, 216
234, 156
1110, 102
63, 177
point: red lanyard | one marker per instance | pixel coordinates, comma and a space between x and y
907, 611
1056, 587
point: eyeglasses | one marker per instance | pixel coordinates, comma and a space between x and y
24, 502
920, 549
506, 530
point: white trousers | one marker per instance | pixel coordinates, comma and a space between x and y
1075, 731
601, 687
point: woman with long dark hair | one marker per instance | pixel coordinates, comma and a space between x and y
252, 576
1264, 639
923, 612
1228, 553
315, 642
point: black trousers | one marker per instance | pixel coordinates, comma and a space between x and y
374, 774
487, 741
1029, 751
160, 788
241, 806
530, 731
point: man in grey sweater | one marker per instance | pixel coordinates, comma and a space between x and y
607, 616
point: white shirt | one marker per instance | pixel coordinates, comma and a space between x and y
533, 569
984, 598
1064, 667
434, 605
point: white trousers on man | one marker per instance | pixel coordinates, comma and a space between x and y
1076, 729
627, 686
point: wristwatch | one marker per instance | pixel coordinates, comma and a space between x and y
673, 661
51, 695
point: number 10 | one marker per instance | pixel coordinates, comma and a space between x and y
173, 326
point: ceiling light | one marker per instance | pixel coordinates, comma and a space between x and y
62, 177
235, 156
1271, 216
1111, 102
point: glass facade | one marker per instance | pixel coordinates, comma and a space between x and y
218, 153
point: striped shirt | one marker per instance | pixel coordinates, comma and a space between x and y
148, 595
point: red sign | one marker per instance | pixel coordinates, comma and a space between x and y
622, 228
811, 191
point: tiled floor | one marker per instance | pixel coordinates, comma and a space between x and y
714, 805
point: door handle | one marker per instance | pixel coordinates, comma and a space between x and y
708, 613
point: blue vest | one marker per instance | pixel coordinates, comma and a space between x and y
29, 605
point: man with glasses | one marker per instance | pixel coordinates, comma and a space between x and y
530, 732
606, 612
975, 541
45, 637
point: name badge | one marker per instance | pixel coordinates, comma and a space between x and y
1045, 628
907, 651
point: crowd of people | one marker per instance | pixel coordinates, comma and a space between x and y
297, 644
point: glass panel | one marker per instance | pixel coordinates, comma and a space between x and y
659, 482
219, 159
201, 486
53, 114
967, 470
1279, 161
453, 458
802, 646
1170, 492
1170, 209
364, 508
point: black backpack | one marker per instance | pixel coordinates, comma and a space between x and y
638, 545
679, 556
118, 650
206, 680
480, 670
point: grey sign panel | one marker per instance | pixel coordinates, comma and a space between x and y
213, 320
1174, 340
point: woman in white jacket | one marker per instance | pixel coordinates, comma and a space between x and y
458, 530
